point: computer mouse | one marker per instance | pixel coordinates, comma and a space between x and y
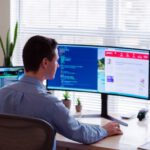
141, 114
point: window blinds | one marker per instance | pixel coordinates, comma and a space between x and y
97, 22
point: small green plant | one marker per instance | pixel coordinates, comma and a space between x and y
9, 48
78, 105
66, 101
78, 101
66, 95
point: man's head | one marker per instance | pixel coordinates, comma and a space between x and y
41, 53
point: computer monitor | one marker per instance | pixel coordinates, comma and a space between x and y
9, 75
103, 69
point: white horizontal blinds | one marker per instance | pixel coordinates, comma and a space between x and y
69, 15
99, 22
124, 105
14, 17
70, 21
77, 14
90, 101
106, 22
133, 23
35, 14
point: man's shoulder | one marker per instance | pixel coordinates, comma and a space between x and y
7, 87
49, 97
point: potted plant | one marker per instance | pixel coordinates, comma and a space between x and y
78, 105
9, 47
66, 100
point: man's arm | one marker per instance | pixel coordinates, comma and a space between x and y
69, 127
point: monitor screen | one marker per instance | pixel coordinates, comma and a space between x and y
9, 75
102, 69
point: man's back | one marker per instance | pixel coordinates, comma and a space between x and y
28, 97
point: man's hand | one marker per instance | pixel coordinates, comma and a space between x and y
113, 128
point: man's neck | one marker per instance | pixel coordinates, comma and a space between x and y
36, 75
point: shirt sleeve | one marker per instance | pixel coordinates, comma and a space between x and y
69, 127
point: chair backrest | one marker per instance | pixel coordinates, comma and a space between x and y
24, 133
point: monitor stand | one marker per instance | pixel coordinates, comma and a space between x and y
104, 114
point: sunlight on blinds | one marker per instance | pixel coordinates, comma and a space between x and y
97, 22
71, 14
120, 105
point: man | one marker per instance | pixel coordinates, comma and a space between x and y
28, 96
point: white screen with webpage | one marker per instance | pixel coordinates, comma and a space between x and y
126, 72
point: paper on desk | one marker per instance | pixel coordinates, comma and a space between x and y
145, 146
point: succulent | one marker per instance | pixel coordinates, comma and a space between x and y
66, 95
78, 101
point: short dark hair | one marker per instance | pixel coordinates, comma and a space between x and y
37, 48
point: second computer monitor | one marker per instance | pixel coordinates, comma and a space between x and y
9, 75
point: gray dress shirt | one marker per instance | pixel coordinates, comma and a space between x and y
28, 97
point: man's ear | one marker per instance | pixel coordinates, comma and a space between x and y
44, 62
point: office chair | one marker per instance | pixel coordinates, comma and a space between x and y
24, 133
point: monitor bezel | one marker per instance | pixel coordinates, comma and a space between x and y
12, 67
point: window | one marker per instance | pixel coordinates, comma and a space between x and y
101, 22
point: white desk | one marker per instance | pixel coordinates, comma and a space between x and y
137, 133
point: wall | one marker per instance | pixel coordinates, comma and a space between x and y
4, 22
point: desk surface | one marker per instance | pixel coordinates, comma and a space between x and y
137, 133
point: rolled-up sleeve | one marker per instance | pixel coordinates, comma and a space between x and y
71, 128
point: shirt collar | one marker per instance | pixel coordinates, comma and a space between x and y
32, 80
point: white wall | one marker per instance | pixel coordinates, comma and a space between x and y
4, 22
